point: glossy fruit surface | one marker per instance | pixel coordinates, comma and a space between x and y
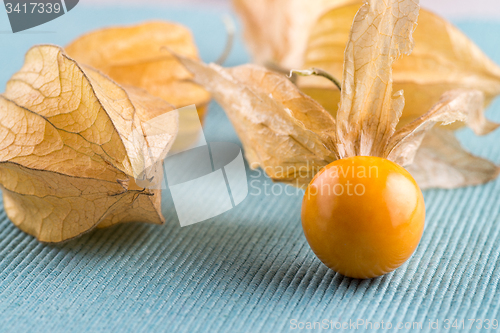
363, 216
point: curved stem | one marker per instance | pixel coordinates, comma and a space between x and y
317, 72
230, 30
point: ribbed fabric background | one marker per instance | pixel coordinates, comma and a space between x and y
250, 269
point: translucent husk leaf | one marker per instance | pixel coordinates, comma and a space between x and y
276, 31
441, 162
456, 105
283, 131
136, 56
368, 111
296, 35
368, 114
443, 59
74, 146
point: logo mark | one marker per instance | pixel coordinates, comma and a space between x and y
26, 14
205, 179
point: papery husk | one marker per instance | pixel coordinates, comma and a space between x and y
283, 131
433, 155
75, 147
443, 58
137, 56
456, 105
369, 112
442, 162
277, 31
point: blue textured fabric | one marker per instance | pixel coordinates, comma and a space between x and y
250, 269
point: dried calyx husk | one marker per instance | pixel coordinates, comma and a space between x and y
77, 150
291, 136
84, 131
276, 31
135, 55
305, 36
